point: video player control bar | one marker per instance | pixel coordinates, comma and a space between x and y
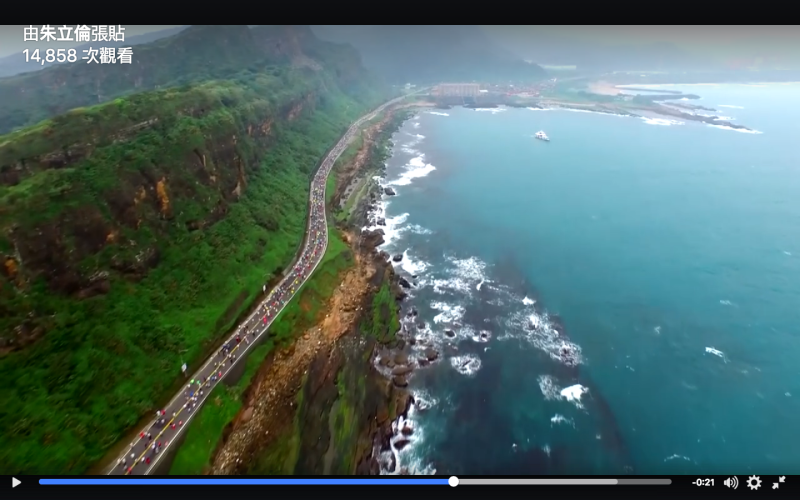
453, 481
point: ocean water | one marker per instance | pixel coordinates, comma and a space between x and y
623, 299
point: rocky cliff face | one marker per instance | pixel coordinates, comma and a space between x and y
64, 205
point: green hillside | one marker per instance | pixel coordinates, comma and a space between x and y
135, 231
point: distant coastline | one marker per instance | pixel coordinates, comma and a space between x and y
608, 98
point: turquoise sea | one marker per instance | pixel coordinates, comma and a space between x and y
622, 299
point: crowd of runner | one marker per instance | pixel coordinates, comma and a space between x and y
168, 422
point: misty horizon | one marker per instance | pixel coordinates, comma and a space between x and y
675, 47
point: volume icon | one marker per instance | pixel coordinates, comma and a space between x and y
731, 482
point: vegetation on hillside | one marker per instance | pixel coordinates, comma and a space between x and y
198, 53
301, 312
135, 232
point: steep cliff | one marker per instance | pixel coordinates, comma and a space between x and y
134, 232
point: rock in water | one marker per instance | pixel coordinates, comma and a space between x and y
401, 370
389, 191
398, 257
401, 443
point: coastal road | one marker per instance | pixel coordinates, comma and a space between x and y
144, 453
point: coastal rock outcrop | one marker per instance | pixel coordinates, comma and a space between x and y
402, 370
398, 257
389, 191
373, 238
404, 283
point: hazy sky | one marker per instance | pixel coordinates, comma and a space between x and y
725, 41
12, 36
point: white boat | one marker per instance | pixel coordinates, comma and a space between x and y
541, 135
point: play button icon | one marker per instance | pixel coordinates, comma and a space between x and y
15, 482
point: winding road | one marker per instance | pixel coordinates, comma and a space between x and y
143, 454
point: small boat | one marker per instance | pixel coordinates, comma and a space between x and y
541, 135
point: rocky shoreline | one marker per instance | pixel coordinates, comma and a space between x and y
325, 405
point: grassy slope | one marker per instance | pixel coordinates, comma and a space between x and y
107, 360
302, 312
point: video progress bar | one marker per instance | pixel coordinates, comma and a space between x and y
563, 481
453, 481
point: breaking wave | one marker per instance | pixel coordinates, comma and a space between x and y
415, 169
493, 111
661, 121
468, 364
552, 392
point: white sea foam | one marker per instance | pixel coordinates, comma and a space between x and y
527, 301
415, 124
417, 229
661, 121
447, 313
573, 394
715, 352
415, 168
548, 386
730, 106
407, 458
394, 226
726, 302
481, 337
464, 276
467, 364
392, 229
423, 400
552, 392
412, 266
678, 457
404, 457
560, 419
492, 110
437, 113
540, 333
